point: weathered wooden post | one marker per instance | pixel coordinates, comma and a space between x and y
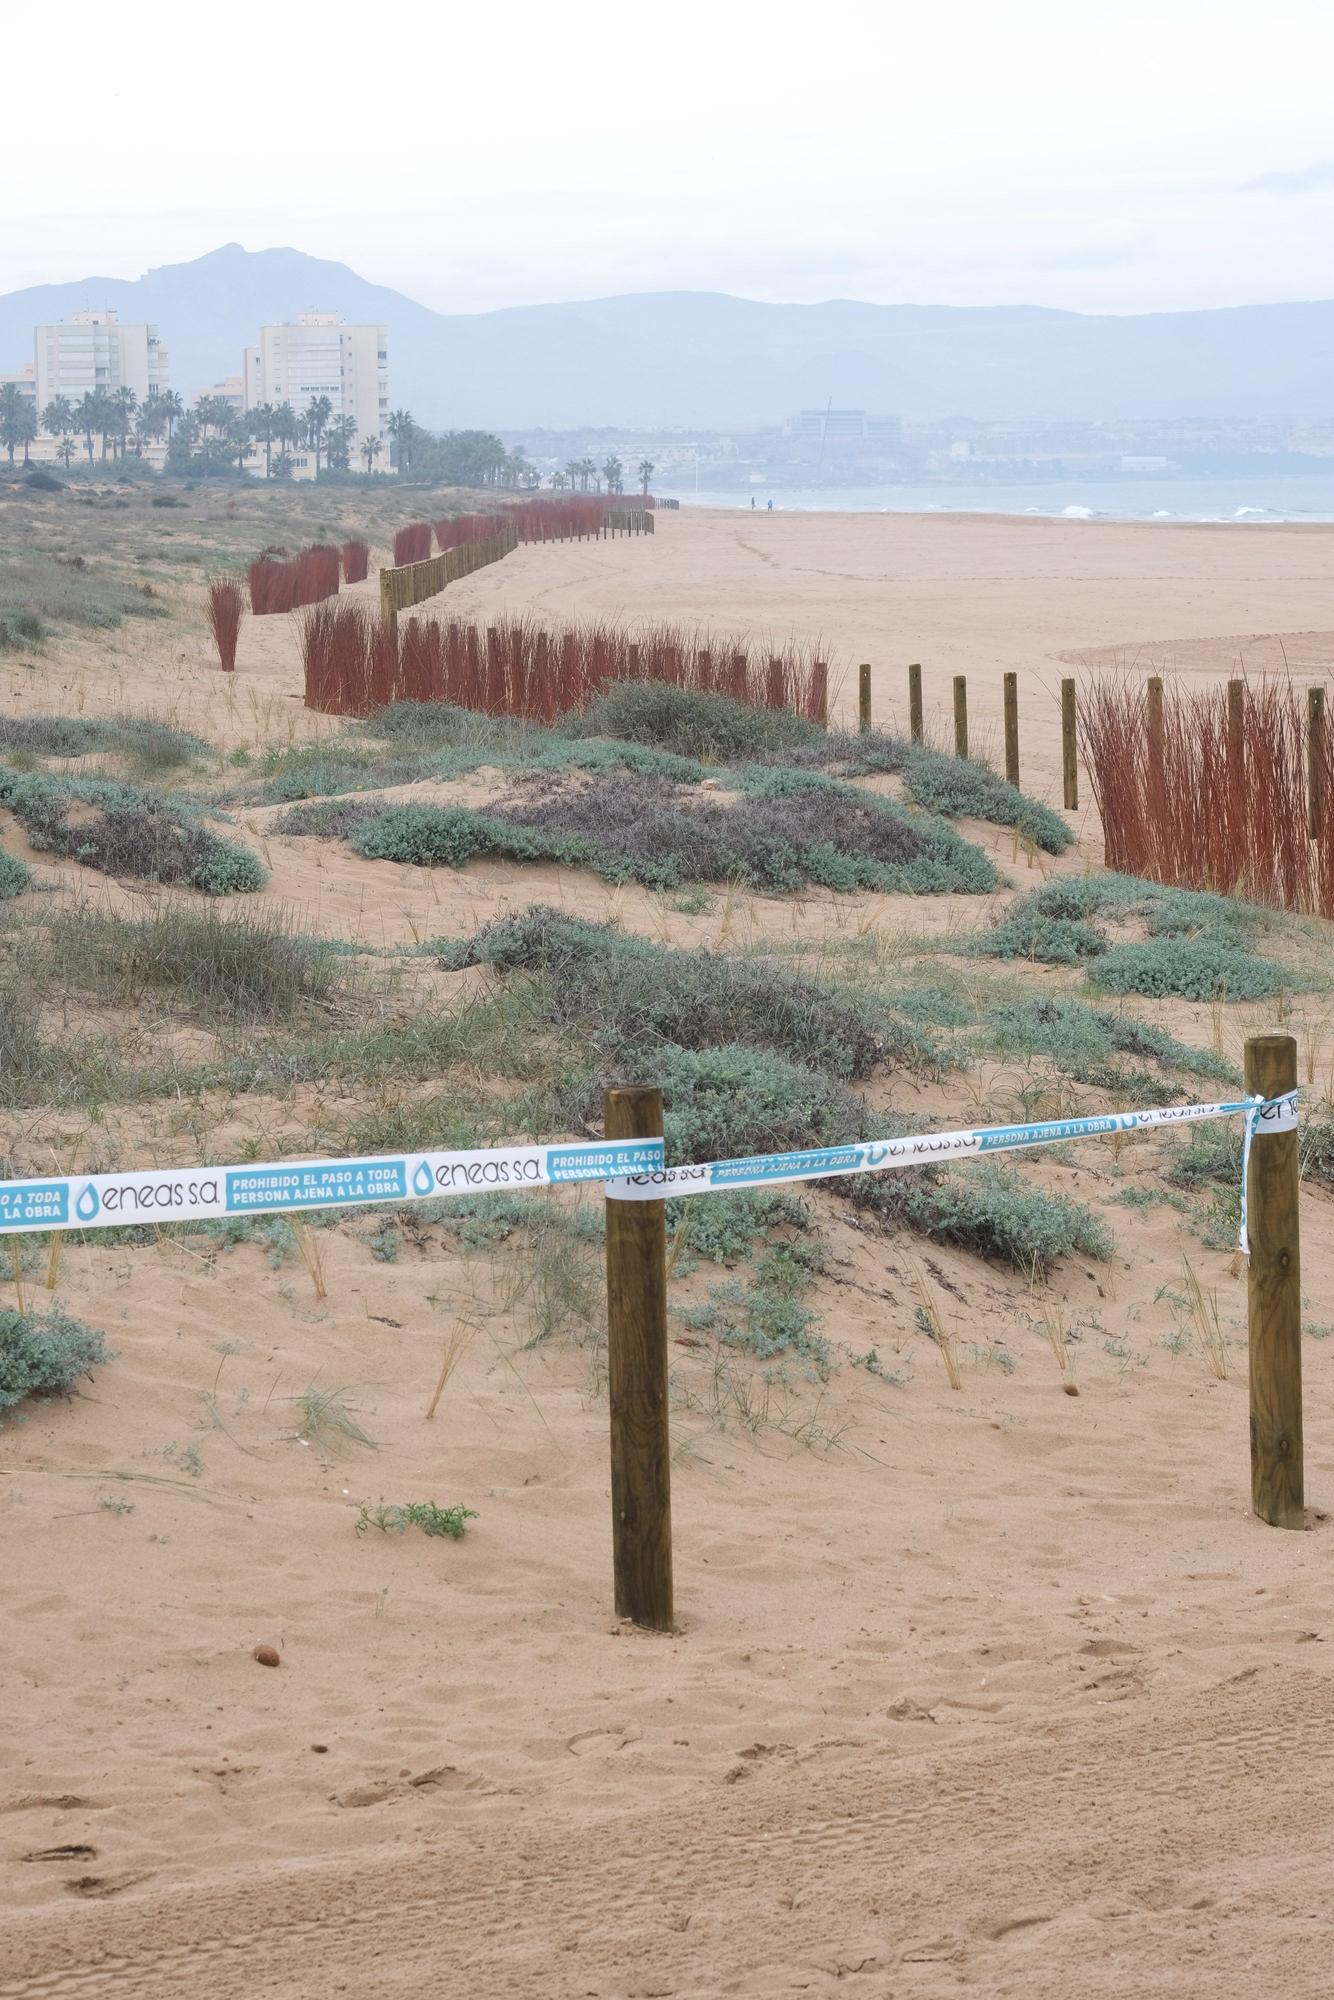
388, 606
1236, 734
1012, 728
641, 1487
1274, 1292
1315, 760
776, 687
864, 697
1069, 746
915, 702
820, 691
960, 715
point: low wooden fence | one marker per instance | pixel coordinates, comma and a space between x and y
413, 583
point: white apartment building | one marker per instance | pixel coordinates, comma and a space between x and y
92, 352
317, 355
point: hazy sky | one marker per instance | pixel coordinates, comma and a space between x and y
1121, 156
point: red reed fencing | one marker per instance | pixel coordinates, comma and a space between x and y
356, 562
288, 586
1218, 797
413, 543
226, 609
352, 665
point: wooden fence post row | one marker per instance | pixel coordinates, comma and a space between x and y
641, 1482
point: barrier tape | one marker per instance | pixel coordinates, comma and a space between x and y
1262, 1115
182, 1194
633, 1170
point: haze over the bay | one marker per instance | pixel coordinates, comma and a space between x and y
1171, 155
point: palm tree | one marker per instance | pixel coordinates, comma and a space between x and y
66, 449
152, 420
370, 451
11, 405
171, 409
614, 473
58, 416
646, 472
213, 413
402, 430
342, 435
318, 414
124, 403
241, 435
86, 417
263, 417
573, 467
286, 428
559, 482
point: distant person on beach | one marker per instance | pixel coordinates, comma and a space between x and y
752, 503
771, 506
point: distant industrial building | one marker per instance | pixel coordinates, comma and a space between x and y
93, 353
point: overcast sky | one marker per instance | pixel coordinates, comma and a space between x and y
1116, 157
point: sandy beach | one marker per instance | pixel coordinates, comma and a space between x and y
999, 1691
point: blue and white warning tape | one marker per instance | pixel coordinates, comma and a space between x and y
632, 1169
1262, 1115
183, 1194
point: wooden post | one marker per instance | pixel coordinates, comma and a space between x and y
641, 1492
864, 697
820, 691
1236, 734
1274, 1295
1069, 746
915, 702
960, 715
1315, 760
776, 690
1153, 690
388, 608
1012, 728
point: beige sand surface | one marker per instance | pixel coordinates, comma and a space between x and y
1000, 1691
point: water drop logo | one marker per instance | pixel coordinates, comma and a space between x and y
423, 1181
88, 1204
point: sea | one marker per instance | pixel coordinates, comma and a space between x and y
1305, 496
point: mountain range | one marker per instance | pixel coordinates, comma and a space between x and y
664, 359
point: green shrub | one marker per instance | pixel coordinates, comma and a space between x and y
423, 1514
958, 788
19, 629
628, 997
1028, 933
44, 1354
726, 1225
121, 831
721, 1103
331, 819
986, 1208
15, 877
691, 722
1200, 968
320, 770
762, 1322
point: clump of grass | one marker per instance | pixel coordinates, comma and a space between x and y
721, 1103
238, 966
958, 788
44, 1354
424, 1514
725, 1226
147, 745
932, 1320
1082, 1042
320, 770
20, 630
1203, 1308
325, 1418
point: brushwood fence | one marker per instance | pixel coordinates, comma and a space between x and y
290, 586
1220, 788
355, 664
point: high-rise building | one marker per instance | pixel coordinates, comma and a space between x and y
317, 355
93, 352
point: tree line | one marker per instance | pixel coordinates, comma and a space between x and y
213, 435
